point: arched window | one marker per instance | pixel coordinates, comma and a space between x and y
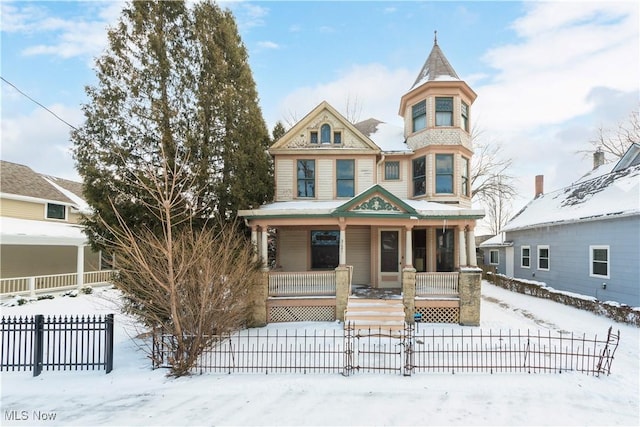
325, 134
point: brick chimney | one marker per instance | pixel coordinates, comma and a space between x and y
539, 185
598, 159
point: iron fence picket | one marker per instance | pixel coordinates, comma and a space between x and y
63, 343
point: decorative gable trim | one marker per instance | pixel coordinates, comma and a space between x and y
375, 199
296, 138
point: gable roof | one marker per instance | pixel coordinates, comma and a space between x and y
21, 180
436, 67
376, 199
282, 143
615, 194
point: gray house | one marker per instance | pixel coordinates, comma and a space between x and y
583, 239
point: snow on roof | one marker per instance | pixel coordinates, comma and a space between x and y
14, 231
389, 138
615, 194
496, 241
79, 201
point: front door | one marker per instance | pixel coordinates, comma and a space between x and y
390, 274
444, 249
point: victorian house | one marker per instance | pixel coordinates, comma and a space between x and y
374, 206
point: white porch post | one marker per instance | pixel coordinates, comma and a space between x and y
462, 246
254, 242
408, 262
343, 244
471, 248
80, 267
265, 248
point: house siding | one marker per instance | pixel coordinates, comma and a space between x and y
21, 209
365, 174
501, 266
569, 258
20, 260
285, 171
359, 254
325, 179
292, 249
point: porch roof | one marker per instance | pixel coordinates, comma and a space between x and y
313, 209
15, 231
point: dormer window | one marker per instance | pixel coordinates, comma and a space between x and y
325, 134
419, 116
444, 111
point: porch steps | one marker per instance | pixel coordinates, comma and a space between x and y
386, 314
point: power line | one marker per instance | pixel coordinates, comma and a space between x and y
33, 100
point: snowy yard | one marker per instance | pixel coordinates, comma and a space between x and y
133, 394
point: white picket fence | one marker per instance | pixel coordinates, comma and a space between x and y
53, 282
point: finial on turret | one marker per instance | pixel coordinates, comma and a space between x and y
435, 37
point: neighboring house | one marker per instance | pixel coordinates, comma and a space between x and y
382, 201
584, 238
39, 234
496, 252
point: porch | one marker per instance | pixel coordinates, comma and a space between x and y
432, 297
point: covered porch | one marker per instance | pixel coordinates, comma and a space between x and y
323, 252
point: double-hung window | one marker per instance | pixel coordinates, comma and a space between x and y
525, 256
494, 257
464, 116
444, 173
55, 211
464, 182
599, 261
306, 178
345, 173
419, 116
543, 257
444, 111
419, 176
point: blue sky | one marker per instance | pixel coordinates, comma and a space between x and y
548, 75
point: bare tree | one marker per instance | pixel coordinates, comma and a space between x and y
615, 142
353, 109
190, 283
491, 183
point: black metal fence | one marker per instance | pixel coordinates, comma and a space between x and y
406, 352
40, 343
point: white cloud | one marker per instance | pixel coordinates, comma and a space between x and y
266, 44
374, 88
41, 141
82, 35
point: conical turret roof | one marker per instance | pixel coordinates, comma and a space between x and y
436, 67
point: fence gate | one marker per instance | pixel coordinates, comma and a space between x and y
377, 350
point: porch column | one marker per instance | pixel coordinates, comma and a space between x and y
264, 252
343, 243
462, 247
80, 267
408, 252
471, 248
254, 242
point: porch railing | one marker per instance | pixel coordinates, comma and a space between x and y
52, 282
302, 283
429, 284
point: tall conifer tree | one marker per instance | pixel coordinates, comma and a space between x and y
175, 82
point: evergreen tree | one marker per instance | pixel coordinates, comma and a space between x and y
278, 131
174, 83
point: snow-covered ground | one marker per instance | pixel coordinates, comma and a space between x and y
133, 394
